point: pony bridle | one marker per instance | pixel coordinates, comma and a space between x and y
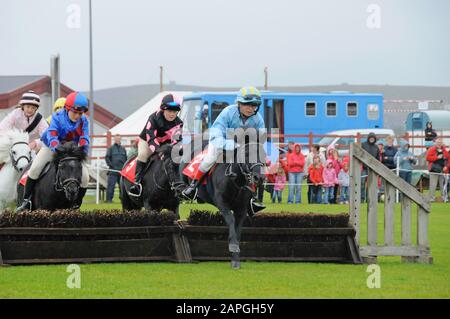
16, 161
63, 185
176, 187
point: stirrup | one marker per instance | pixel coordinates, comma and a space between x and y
140, 190
25, 202
188, 197
255, 207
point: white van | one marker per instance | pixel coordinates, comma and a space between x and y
342, 141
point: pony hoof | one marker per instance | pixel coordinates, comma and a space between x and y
233, 248
236, 264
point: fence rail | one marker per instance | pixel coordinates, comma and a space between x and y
411, 253
107, 139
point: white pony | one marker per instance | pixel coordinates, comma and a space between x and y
15, 154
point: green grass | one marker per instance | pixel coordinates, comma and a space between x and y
254, 280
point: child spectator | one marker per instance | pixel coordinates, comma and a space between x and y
329, 180
344, 182
280, 182
333, 155
406, 161
315, 173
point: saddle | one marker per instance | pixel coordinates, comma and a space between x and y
192, 168
129, 169
24, 177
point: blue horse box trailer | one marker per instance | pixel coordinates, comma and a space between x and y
291, 113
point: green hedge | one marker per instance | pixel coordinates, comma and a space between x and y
282, 219
75, 219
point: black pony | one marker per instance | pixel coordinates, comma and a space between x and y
161, 184
231, 188
59, 185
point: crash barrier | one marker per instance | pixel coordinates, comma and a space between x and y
66, 236
407, 250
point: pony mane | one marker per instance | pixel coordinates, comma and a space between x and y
7, 140
165, 149
69, 149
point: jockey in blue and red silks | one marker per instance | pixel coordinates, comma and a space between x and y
162, 127
70, 124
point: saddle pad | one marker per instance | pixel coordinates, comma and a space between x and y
129, 170
192, 168
24, 177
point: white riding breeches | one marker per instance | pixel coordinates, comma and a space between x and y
45, 156
210, 158
144, 151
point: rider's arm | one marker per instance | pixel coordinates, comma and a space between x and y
42, 127
151, 128
8, 122
218, 132
84, 139
53, 133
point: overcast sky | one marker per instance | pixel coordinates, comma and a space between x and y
228, 42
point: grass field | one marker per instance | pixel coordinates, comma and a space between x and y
254, 280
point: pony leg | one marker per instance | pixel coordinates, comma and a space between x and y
239, 222
233, 244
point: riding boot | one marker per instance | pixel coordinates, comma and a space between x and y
79, 200
26, 203
136, 188
190, 192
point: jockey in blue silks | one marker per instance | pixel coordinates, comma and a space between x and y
244, 114
69, 124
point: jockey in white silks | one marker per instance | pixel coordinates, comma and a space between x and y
242, 115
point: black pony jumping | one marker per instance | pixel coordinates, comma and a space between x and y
231, 188
161, 184
59, 185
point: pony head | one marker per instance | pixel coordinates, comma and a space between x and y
14, 149
68, 159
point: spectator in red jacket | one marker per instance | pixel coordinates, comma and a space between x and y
436, 157
296, 163
315, 173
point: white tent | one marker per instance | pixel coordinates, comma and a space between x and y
134, 123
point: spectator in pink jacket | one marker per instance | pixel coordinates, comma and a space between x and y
27, 118
329, 181
333, 154
296, 163
280, 182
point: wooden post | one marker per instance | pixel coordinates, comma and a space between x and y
422, 237
389, 206
108, 139
372, 208
406, 221
422, 228
355, 193
358, 138
310, 139
161, 86
266, 75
